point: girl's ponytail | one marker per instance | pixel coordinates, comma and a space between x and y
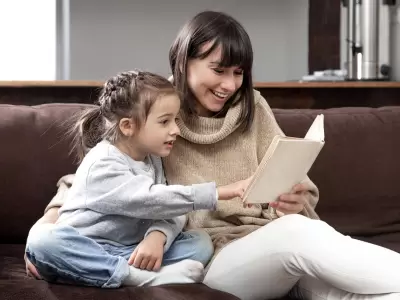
87, 130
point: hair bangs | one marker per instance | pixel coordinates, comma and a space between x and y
234, 43
234, 52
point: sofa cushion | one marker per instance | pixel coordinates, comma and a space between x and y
357, 171
33, 156
14, 284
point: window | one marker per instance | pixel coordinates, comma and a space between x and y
28, 40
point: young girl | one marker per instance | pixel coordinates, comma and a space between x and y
120, 221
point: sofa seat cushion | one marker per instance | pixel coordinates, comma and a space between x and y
14, 284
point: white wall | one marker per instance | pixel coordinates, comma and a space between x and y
107, 36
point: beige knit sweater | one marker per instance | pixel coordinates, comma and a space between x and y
215, 149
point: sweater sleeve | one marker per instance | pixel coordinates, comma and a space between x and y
170, 227
268, 124
112, 188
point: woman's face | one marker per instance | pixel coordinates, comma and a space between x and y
211, 84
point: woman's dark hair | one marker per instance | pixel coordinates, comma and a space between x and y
127, 95
222, 31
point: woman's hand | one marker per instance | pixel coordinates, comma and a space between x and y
293, 202
149, 253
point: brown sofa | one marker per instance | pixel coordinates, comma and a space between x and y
358, 174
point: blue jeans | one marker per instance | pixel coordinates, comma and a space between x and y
61, 254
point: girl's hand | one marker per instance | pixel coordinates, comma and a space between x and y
149, 253
293, 202
233, 190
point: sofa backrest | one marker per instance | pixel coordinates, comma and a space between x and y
34, 154
357, 172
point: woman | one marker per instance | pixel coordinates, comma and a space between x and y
260, 252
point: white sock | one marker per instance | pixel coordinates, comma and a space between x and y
185, 271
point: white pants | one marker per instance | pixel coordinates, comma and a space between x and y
307, 258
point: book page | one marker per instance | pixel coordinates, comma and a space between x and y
285, 163
316, 131
286, 166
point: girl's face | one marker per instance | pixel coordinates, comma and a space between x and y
211, 84
159, 132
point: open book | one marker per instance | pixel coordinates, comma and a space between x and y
285, 164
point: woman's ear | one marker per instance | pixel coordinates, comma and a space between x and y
127, 127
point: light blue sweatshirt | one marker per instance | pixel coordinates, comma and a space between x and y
117, 200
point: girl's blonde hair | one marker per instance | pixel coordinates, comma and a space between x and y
127, 95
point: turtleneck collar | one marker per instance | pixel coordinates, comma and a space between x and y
210, 130
203, 130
